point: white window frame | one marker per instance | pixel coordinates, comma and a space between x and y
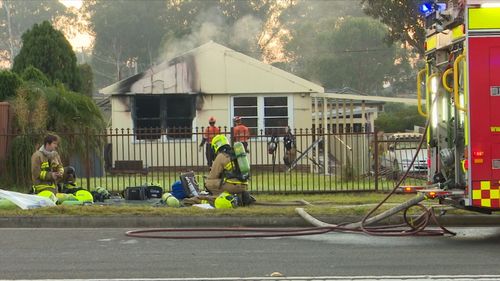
261, 108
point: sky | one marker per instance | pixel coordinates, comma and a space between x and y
81, 40
72, 3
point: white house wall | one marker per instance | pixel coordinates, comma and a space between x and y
227, 71
121, 114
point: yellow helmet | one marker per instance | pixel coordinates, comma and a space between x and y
84, 196
219, 141
48, 194
225, 201
170, 200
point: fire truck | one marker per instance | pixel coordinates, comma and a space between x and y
461, 87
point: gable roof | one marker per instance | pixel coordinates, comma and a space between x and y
213, 69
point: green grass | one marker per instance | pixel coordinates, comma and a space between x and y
285, 206
261, 182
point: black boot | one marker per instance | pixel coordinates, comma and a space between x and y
247, 199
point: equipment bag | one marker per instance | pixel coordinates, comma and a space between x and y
154, 191
190, 184
135, 193
178, 190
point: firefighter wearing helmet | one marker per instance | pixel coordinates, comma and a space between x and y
223, 175
241, 133
208, 135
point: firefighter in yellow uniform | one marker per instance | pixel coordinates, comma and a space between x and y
46, 166
223, 174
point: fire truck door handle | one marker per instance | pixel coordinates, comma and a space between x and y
419, 92
445, 76
455, 82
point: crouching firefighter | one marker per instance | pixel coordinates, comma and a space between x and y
226, 175
46, 167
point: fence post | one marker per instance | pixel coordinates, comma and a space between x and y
87, 157
375, 157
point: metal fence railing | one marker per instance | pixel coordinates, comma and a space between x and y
324, 161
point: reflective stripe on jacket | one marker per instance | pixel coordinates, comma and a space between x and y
41, 168
221, 168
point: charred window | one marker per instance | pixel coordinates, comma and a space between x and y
171, 115
179, 114
147, 117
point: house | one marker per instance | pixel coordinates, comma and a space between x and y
177, 97
346, 114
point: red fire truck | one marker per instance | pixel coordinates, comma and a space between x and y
461, 85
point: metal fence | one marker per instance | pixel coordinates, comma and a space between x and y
324, 161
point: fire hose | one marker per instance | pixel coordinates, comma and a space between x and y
416, 226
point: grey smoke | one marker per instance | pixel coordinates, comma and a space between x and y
243, 36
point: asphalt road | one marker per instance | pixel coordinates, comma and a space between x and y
62, 253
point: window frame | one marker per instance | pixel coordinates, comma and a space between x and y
164, 136
261, 109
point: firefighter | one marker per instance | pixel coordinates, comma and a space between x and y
46, 166
241, 132
208, 135
223, 176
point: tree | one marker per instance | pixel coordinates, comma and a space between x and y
87, 79
345, 52
127, 34
9, 83
32, 74
18, 16
398, 118
159, 29
38, 110
48, 50
405, 22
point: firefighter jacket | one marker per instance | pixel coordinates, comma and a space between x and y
222, 176
43, 163
241, 133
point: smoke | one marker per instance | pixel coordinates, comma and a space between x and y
210, 25
245, 33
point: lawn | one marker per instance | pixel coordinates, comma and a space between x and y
268, 205
260, 183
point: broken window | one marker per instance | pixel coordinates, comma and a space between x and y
179, 114
147, 121
171, 115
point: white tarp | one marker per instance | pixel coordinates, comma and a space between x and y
26, 201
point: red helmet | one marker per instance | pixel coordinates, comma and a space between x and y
237, 119
211, 119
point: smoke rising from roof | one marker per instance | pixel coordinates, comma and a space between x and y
210, 25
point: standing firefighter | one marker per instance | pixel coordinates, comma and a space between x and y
46, 166
241, 133
208, 135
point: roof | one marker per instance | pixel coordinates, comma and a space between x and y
213, 69
352, 94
